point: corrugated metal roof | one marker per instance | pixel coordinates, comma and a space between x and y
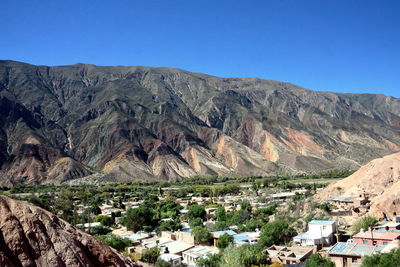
354, 249
387, 235
219, 233
321, 222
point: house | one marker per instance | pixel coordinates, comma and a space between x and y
172, 259
349, 254
166, 245
191, 256
282, 196
216, 235
246, 238
372, 238
320, 233
174, 247
168, 234
87, 226
288, 255
185, 236
352, 205
389, 226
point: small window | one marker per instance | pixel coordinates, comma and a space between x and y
385, 243
365, 241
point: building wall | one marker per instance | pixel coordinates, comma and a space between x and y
345, 261
323, 229
368, 241
185, 237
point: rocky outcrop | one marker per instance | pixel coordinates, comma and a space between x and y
31, 236
58, 124
380, 179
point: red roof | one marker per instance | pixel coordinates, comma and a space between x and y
378, 235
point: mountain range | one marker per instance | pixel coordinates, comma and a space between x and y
87, 124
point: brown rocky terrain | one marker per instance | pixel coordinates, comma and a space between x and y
380, 178
33, 237
86, 123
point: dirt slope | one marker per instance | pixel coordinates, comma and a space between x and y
380, 178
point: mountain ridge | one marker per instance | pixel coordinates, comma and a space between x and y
131, 122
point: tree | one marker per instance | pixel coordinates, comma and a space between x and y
96, 209
364, 223
317, 261
243, 256
220, 214
201, 234
211, 260
224, 241
383, 260
195, 222
137, 219
168, 208
114, 241
170, 225
197, 211
162, 263
151, 255
245, 205
100, 230
104, 220
275, 233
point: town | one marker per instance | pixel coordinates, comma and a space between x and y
256, 221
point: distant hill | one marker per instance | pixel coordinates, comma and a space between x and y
31, 236
58, 124
380, 178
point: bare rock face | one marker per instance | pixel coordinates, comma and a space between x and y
380, 178
61, 123
31, 236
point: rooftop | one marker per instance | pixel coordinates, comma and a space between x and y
198, 252
387, 235
354, 249
346, 199
219, 233
325, 222
168, 257
288, 252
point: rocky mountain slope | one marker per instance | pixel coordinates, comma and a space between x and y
58, 124
380, 178
31, 236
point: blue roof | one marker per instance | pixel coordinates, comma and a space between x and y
380, 230
344, 199
354, 249
229, 232
341, 248
308, 235
133, 236
243, 239
321, 222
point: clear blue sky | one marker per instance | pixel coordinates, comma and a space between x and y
333, 45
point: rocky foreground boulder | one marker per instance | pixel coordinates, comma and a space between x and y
31, 236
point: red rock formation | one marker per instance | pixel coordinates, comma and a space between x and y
31, 236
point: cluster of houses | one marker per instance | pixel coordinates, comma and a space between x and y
179, 247
323, 236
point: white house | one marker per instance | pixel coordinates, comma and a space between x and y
191, 256
320, 233
172, 259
